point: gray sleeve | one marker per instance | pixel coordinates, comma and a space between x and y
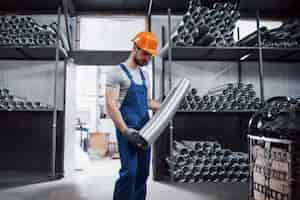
114, 78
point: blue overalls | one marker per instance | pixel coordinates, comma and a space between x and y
135, 162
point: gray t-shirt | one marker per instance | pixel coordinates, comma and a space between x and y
117, 78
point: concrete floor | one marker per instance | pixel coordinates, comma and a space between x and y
97, 179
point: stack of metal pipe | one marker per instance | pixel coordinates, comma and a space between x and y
10, 102
228, 97
203, 26
199, 161
279, 118
285, 36
25, 31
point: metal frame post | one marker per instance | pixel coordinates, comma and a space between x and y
260, 66
54, 125
239, 62
291, 164
163, 36
65, 5
250, 149
171, 128
149, 25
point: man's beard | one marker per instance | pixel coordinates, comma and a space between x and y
140, 62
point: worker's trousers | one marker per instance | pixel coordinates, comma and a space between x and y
134, 171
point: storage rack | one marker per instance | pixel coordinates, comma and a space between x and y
38, 121
237, 54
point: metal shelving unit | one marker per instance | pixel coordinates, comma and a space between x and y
48, 53
28, 111
269, 8
221, 112
89, 57
31, 53
259, 54
231, 54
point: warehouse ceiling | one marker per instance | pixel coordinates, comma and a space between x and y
111, 5
270, 7
27, 6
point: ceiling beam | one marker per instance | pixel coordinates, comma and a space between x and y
150, 3
69, 5
67, 10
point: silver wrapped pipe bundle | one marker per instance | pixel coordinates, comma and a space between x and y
154, 128
11, 102
212, 163
228, 97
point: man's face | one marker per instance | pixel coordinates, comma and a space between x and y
141, 57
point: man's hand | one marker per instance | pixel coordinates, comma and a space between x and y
153, 105
132, 136
130, 132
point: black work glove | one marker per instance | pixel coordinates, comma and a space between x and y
132, 136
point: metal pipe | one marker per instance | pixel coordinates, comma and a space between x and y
54, 125
153, 129
180, 148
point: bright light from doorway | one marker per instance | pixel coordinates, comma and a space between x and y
109, 33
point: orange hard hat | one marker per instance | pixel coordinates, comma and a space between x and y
146, 41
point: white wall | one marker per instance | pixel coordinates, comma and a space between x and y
70, 118
109, 32
86, 94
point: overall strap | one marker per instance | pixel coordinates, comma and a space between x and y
126, 71
143, 77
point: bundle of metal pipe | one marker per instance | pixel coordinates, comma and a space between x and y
25, 31
279, 118
228, 97
199, 161
10, 102
285, 36
203, 26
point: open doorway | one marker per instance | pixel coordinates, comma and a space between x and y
96, 145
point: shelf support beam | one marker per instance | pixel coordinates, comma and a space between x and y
163, 39
171, 127
54, 125
260, 66
239, 61
67, 7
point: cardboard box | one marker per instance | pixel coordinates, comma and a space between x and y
99, 142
